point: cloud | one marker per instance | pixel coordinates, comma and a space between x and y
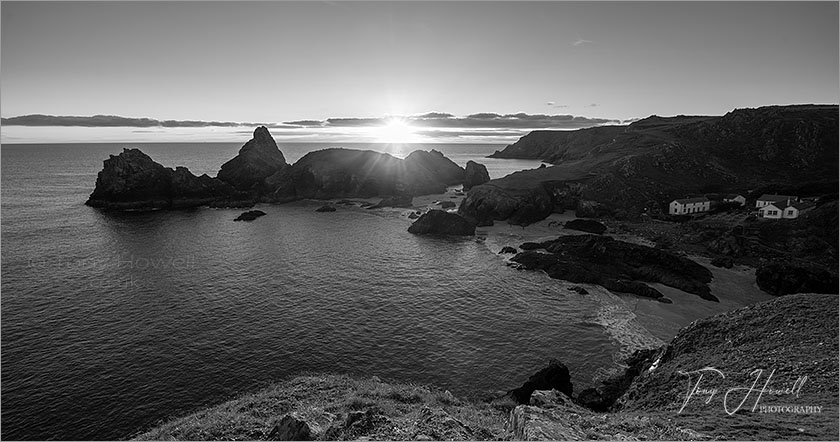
581, 41
117, 121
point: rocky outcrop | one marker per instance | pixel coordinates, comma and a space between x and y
133, 181
616, 265
783, 278
257, 160
508, 250
259, 173
555, 376
290, 428
250, 215
487, 202
586, 225
441, 223
475, 174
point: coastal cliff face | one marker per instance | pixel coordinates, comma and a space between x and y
644, 165
259, 173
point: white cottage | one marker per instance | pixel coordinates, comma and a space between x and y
786, 209
734, 198
687, 206
765, 200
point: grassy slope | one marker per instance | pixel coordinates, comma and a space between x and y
325, 400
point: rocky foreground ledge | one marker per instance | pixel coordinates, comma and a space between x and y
260, 174
793, 340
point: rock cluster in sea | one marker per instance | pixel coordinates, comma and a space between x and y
260, 173
440, 222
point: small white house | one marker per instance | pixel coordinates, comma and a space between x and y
733, 198
765, 199
786, 209
687, 206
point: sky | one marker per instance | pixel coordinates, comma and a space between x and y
373, 70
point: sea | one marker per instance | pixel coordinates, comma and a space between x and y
113, 321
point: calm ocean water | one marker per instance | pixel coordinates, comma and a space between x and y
114, 321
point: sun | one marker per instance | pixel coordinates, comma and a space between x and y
395, 130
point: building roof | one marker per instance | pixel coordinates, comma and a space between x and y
803, 205
701, 199
732, 196
767, 197
782, 205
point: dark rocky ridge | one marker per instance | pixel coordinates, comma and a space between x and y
615, 265
475, 175
628, 169
259, 173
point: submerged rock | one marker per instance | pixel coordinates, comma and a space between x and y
475, 174
508, 249
325, 208
442, 223
250, 215
400, 201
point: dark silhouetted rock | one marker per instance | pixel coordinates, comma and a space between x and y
257, 160
325, 208
250, 215
132, 181
447, 204
615, 265
554, 376
414, 215
434, 164
475, 174
400, 201
442, 223
508, 249
586, 225
781, 278
722, 261
518, 205
290, 428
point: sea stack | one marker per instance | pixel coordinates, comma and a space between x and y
257, 160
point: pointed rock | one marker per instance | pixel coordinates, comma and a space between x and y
257, 160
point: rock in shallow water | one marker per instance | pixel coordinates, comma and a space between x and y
250, 215
554, 376
442, 223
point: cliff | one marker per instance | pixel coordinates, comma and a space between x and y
641, 167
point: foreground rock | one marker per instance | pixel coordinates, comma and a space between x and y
782, 278
616, 265
133, 181
441, 223
586, 225
475, 174
250, 215
553, 377
332, 407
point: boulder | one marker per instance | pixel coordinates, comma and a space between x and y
442, 223
554, 376
257, 160
250, 215
475, 174
784, 278
586, 225
326, 208
290, 428
434, 165
507, 249
414, 215
520, 206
